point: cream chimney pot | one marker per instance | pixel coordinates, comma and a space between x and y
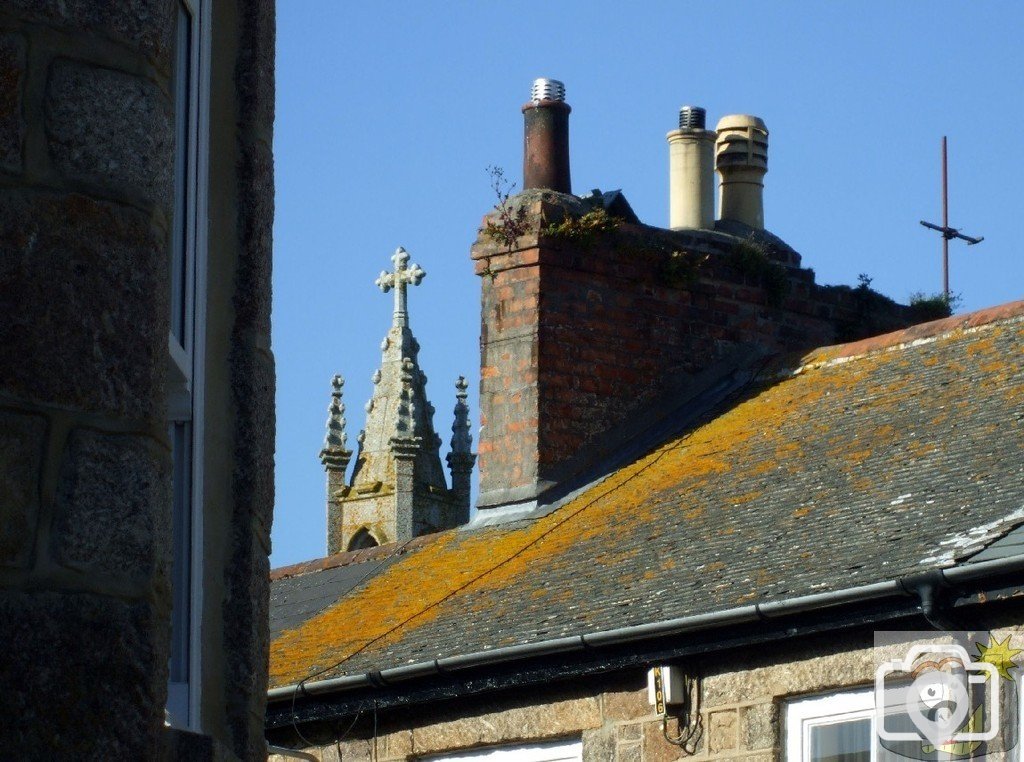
691, 172
741, 157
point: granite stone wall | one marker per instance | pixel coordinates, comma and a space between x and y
242, 95
744, 695
86, 172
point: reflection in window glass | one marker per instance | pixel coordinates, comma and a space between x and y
179, 259
841, 742
181, 479
182, 384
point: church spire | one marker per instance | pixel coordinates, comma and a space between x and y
462, 440
398, 488
398, 409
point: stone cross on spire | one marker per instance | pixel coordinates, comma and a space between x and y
398, 280
398, 489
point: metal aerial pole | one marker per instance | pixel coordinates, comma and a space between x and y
947, 232
945, 222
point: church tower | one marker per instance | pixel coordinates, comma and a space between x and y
398, 489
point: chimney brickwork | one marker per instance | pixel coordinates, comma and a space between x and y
579, 333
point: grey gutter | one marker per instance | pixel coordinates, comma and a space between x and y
905, 586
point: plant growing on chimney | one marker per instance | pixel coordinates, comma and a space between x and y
511, 222
933, 306
867, 297
751, 258
681, 268
584, 229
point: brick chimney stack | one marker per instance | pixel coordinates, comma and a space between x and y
546, 138
596, 328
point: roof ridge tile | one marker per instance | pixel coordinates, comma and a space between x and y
916, 335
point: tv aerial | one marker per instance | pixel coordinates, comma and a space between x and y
948, 233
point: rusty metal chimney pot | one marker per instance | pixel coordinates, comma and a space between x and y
546, 138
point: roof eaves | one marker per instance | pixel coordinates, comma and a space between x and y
903, 587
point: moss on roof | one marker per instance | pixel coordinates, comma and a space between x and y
848, 466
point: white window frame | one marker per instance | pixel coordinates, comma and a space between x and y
552, 751
804, 714
186, 371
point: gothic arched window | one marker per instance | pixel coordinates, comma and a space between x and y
362, 539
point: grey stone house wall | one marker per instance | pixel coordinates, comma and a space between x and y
86, 145
744, 695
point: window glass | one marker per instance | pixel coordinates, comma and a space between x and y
833, 728
180, 239
848, 741
184, 374
839, 727
181, 480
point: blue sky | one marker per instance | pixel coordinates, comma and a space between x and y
388, 115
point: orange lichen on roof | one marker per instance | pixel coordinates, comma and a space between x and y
746, 497
456, 575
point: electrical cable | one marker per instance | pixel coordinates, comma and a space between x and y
343, 736
481, 575
689, 722
295, 725
300, 686
375, 731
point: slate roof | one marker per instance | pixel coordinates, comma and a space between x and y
851, 465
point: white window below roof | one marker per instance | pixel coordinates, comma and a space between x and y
833, 728
839, 727
557, 751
